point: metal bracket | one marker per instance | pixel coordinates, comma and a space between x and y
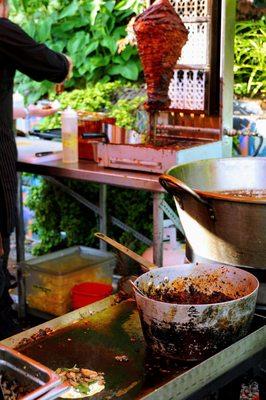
172, 215
97, 210
127, 228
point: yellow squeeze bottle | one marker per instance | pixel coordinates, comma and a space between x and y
69, 121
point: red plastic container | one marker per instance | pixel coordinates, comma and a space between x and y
88, 293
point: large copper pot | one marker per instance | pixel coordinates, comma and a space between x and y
218, 226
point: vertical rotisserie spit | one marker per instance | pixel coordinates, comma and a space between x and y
161, 36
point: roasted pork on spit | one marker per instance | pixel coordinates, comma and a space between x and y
161, 36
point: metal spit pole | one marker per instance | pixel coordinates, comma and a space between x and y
153, 116
189, 129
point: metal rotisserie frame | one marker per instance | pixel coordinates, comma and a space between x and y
201, 93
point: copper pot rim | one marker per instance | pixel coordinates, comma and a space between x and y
231, 198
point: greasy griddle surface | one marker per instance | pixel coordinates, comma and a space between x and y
96, 342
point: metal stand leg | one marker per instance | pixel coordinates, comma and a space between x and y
158, 199
103, 214
20, 247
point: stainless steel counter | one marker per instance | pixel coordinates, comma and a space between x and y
83, 170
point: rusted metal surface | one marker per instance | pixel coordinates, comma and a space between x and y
222, 227
195, 331
106, 329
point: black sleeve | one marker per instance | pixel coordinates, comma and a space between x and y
29, 57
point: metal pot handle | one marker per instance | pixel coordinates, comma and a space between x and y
176, 188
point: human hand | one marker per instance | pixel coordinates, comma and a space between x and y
70, 66
59, 87
42, 111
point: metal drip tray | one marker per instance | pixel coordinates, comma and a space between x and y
33, 377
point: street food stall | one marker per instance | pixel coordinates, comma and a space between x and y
185, 331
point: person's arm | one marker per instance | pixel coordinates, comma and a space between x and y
32, 110
29, 57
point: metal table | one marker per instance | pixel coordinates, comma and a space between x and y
54, 169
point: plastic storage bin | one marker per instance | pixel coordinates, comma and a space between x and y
50, 278
88, 293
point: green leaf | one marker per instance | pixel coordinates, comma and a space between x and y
118, 60
84, 68
66, 26
30, 28
129, 71
70, 10
114, 70
91, 47
128, 52
110, 43
100, 61
77, 42
118, 32
16, 4
78, 58
44, 30
110, 5
96, 6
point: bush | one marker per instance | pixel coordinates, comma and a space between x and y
62, 222
86, 30
250, 56
118, 100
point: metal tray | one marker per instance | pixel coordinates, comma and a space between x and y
93, 336
30, 374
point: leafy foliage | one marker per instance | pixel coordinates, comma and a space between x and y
103, 97
86, 30
250, 58
57, 213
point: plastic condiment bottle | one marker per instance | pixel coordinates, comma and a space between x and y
70, 135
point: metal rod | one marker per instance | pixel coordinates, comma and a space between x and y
158, 199
134, 286
20, 234
145, 264
194, 67
190, 129
172, 215
20, 248
103, 215
152, 125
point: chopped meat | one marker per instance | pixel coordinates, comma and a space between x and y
161, 36
121, 358
190, 296
11, 389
